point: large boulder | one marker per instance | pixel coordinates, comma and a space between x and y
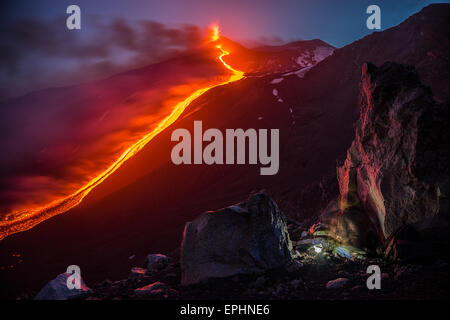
396, 171
249, 237
57, 289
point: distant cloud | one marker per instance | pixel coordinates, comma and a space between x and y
36, 54
267, 41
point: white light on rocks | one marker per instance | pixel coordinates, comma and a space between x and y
318, 248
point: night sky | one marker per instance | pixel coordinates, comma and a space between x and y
336, 22
38, 51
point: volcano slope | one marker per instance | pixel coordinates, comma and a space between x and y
102, 111
55, 141
142, 208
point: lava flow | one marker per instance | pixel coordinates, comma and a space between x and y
31, 217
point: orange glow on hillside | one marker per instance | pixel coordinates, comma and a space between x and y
28, 218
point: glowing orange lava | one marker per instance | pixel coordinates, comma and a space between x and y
31, 217
215, 32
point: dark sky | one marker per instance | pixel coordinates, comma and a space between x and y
336, 22
37, 51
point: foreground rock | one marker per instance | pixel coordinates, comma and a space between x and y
396, 171
151, 289
250, 237
57, 290
156, 262
137, 273
337, 283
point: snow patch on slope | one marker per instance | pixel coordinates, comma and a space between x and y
321, 53
277, 80
275, 93
304, 60
299, 73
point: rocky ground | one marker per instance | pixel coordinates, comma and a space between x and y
311, 275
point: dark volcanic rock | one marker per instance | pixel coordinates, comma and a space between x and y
250, 237
137, 273
57, 289
337, 283
397, 167
422, 242
156, 262
151, 289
